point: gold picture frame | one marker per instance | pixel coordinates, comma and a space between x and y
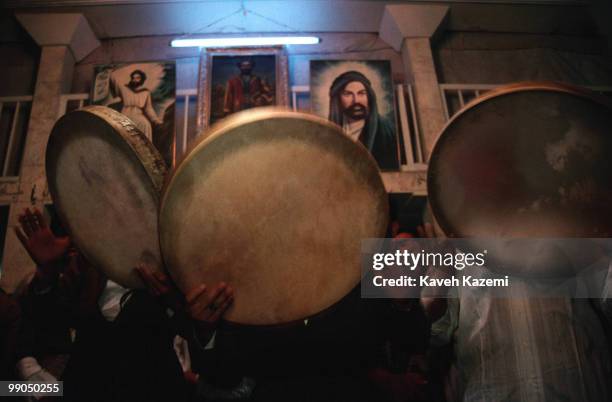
217, 64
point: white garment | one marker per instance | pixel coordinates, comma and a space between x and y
138, 107
525, 349
110, 300
181, 349
27, 367
29, 370
110, 307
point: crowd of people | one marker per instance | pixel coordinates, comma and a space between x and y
108, 343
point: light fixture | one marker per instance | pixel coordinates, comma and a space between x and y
245, 41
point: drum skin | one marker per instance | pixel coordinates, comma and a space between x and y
274, 203
526, 160
105, 178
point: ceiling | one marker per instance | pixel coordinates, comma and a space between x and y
134, 18
67, 3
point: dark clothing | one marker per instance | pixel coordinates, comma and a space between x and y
325, 360
243, 94
10, 321
46, 323
383, 145
129, 359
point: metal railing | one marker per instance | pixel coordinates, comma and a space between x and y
14, 116
409, 126
70, 102
188, 120
456, 96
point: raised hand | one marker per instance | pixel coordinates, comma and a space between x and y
159, 285
38, 239
206, 308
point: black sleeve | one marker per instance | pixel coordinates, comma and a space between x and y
385, 147
9, 332
46, 321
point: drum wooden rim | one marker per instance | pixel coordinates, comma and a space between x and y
143, 152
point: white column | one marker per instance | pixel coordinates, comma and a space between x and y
54, 76
417, 54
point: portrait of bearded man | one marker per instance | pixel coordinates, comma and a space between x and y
353, 106
238, 82
137, 104
359, 96
145, 93
246, 90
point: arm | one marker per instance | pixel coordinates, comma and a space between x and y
196, 315
228, 101
150, 112
202, 309
206, 309
45, 319
45, 249
10, 317
64, 282
262, 93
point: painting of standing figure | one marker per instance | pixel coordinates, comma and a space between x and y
242, 82
232, 80
145, 93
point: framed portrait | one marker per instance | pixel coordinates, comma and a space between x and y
231, 80
145, 93
359, 97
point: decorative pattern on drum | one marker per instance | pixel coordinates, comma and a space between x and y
105, 178
275, 203
527, 160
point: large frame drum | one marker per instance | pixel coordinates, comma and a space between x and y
105, 178
526, 160
275, 203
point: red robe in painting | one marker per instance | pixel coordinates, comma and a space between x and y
258, 94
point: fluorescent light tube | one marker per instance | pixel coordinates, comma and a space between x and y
245, 41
